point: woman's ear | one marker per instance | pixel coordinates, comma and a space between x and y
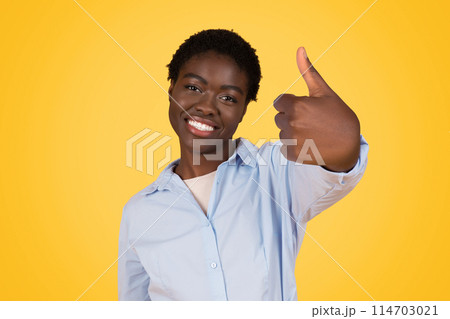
170, 89
243, 113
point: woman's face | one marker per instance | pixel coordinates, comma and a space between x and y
208, 99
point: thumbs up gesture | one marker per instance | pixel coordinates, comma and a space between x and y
322, 120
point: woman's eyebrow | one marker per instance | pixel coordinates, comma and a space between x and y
198, 77
223, 87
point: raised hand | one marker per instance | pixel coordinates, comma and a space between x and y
322, 117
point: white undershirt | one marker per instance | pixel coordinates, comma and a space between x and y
201, 187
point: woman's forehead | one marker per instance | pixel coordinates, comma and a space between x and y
214, 65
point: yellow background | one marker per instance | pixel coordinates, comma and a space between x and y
70, 98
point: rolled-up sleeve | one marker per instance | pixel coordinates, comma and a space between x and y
315, 189
133, 280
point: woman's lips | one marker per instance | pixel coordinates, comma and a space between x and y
200, 128
203, 120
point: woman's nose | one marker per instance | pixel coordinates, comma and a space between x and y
207, 105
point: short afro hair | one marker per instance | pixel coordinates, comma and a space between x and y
224, 42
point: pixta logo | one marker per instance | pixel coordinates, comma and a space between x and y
308, 147
145, 146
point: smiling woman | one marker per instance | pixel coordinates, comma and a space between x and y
207, 101
211, 227
213, 76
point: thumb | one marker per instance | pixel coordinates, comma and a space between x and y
316, 84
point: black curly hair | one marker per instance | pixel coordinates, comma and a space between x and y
225, 42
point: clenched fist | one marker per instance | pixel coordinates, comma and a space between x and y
321, 119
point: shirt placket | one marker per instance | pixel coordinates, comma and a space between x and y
215, 269
212, 258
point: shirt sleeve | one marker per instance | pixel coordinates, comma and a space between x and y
133, 280
312, 188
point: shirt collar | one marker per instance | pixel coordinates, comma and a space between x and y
245, 150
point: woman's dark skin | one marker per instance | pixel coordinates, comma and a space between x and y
323, 117
211, 87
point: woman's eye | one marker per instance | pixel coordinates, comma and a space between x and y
229, 99
192, 88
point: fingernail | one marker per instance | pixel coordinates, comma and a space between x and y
304, 53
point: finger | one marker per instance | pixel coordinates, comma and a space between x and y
281, 121
316, 84
282, 101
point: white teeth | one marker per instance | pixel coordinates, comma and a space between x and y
200, 126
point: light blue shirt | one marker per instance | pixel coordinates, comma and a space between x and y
246, 246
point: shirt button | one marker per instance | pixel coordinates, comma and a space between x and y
213, 265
